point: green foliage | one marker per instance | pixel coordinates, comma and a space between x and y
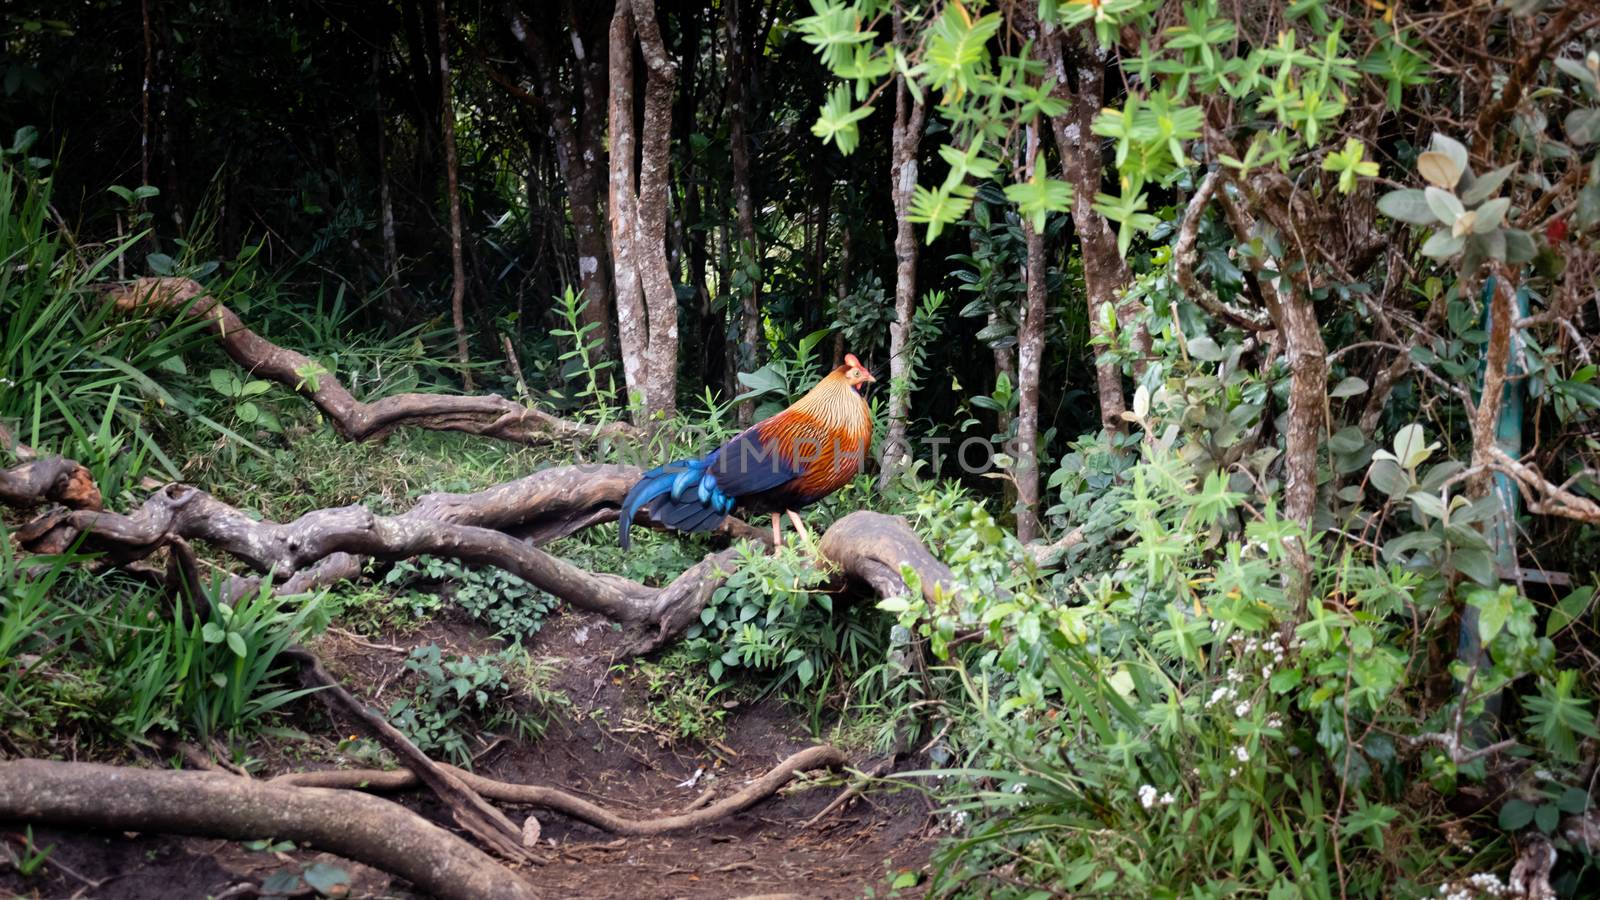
99, 657
76, 377
456, 698
510, 606
682, 698
770, 618
584, 364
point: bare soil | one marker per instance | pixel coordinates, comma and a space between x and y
615, 758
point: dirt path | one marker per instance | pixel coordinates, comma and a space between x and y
604, 752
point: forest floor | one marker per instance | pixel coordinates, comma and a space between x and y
604, 748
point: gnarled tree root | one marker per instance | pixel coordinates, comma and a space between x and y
550, 798
328, 544
489, 415
366, 829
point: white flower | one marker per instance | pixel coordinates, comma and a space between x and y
1241, 753
1243, 709
1167, 798
1147, 796
1274, 721
1017, 788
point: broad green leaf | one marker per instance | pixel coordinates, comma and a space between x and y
1408, 205
1444, 204
1484, 186
1349, 387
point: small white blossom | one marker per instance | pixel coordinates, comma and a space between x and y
1241, 753
1147, 795
1242, 709
1167, 798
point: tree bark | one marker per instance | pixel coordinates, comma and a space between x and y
650, 252
1079, 74
749, 255
906, 139
576, 116
1030, 353
647, 305
447, 123
366, 829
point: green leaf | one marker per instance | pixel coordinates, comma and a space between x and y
1442, 245
1484, 186
1387, 476
1546, 817
1490, 215
1410, 446
220, 379
1494, 608
247, 412
1039, 196
1515, 815
1349, 387
1568, 610
1408, 205
327, 880
1573, 801
1519, 246
1583, 126
1444, 204
236, 644
213, 633
837, 120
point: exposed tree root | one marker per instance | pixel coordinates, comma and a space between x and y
489, 415
470, 811
550, 798
365, 829
325, 545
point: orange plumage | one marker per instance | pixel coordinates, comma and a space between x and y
787, 462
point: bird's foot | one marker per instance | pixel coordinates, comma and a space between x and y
805, 533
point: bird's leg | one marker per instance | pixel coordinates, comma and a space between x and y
800, 526
776, 541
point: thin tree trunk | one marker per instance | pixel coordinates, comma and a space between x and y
842, 288
1030, 352
391, 246
907, 137
578, 152
632, 324
744, 202
1104, 272
447, 123
650, 252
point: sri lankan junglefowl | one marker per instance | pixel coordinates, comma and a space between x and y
777, 465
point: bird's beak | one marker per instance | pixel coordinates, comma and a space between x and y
868, 376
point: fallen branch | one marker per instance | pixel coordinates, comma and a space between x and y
489, 415
575, 807
368, 830
470, 811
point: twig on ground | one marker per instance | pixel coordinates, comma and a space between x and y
560, 801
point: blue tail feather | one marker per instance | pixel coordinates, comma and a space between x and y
681, 495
